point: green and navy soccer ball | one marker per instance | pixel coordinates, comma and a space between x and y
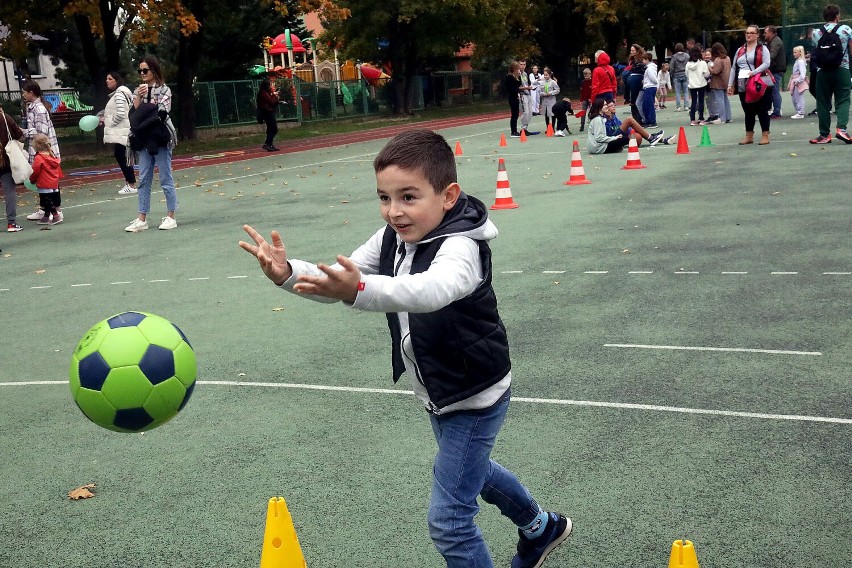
132, 372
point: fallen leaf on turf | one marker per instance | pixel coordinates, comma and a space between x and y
279, 309
82, 492
40, 271
626, 250
776, 193
345, 201
793, 154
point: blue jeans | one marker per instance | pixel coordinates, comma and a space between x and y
723, 105
776, 94
681, 88
649, 96
163, 161
464, 470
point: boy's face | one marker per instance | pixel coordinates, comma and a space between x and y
409, 204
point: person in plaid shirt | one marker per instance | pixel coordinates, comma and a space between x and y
38, 122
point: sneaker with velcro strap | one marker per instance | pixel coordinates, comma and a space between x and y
532, 552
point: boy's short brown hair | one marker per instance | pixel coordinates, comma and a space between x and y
420, 151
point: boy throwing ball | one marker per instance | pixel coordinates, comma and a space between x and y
429, 270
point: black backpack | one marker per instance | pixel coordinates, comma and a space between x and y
829, 50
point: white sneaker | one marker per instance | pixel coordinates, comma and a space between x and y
127, 190
58, 218
797, 116
168, 223
36, 216
560, 133
136, 226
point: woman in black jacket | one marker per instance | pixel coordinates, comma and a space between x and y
267, 107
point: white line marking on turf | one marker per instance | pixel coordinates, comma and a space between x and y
779, 273
124, 282
732, 272
165, 280
686, 272
725, 349
836, 273
596, 272
79, 285
512, 272
5, 289
641, 272
200, 278
563, 402
232, 277
40, 287
553, 272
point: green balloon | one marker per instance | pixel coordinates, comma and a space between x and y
89, 123
30, 185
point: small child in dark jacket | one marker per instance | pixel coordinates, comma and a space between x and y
561, 110
46, 175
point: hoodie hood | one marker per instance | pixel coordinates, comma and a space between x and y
468, 218
603, 59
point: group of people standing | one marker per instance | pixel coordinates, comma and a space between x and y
136, 123
535, 94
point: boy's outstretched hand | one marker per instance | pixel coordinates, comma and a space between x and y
272, 258
337, 284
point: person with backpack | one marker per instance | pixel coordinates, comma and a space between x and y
831, 56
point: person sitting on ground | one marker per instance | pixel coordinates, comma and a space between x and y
561, 110
608, 134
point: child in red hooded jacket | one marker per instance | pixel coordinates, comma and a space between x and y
46, 175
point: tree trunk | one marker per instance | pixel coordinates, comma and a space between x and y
189, 56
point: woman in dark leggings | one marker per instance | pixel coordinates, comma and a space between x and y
752, 59
511, 86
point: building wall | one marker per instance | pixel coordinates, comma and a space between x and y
45, 77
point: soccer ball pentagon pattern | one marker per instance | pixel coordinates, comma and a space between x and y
132, 372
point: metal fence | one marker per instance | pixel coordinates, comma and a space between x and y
224, 103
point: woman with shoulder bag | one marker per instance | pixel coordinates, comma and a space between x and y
9, 130
116, 121
748, 72
152, 103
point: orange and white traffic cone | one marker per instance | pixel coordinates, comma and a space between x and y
504, 192
549, 130
503, 140
578, 174
523, 135
459, 149
633, 161
682, 145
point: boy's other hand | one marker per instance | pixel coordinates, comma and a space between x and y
337, 284
271, 257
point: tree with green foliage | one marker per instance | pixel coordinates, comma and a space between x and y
405, 34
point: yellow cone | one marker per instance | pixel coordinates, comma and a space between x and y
280, 544
683, 555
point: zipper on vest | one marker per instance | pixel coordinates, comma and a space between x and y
401, 252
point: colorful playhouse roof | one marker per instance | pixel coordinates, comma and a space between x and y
279, 44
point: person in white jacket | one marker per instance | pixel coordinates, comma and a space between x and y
535, 92
115, 119
650, 82
429, 270
697, 74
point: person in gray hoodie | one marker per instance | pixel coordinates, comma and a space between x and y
677, 68
429, 270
